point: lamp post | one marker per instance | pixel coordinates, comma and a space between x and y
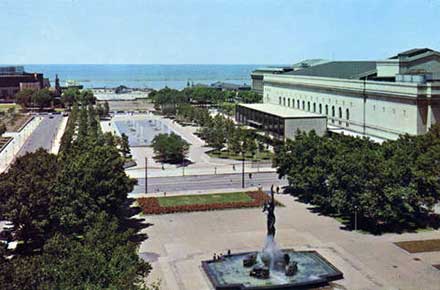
355, 217
242, 170
146, 175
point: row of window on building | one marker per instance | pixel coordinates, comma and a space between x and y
311, 107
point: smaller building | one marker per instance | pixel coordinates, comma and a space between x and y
14, 79
280, 122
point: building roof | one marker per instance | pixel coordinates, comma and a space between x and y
338, 69
412, 52
229, 86
281, 111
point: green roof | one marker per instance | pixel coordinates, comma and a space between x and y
338, 69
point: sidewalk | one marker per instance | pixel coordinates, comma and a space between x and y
57, 142
7, 156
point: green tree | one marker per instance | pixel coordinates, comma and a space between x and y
24, 97
170, 148
125, 146
26, 193
106, 108
42, 98
2, 129
70, 96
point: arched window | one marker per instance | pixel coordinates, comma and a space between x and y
320, 108
333, 114
340, 115
308, 106
314, 107
293, 103
297, 104
288, 102
280, 100
284, 101
304, 105
326, 110
347, 117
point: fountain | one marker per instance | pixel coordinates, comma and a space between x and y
271, 268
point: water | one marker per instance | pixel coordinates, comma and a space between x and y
312, 269
145, 76
141, 132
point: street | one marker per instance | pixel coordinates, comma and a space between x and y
43, 136
207, 182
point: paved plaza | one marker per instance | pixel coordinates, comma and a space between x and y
177, 243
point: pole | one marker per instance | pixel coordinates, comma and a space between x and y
242, 173
355, 218
146, 175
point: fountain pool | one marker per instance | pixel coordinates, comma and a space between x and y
229, 273
141, 132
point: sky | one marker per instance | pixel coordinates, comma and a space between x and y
212, 31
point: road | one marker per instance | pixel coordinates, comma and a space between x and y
43, 136
207, 182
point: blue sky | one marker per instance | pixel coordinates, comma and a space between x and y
212, 31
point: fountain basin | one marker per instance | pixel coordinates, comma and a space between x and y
312, 270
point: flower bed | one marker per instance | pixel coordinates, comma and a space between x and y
151, 205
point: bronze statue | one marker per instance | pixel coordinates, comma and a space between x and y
269, 206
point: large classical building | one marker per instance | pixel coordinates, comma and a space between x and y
382, 99
14, 79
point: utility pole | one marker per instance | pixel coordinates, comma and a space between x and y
146, 175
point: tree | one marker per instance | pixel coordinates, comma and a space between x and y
125, 146
69, 96
2, 129
91, 180
106, 108
170, 148
24, 97
26, 193
103, 259
42, 98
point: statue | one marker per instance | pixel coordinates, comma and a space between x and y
269, 206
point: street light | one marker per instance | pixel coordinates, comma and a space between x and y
146, 175
242, 170
355, 217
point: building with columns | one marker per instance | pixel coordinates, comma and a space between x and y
382, 99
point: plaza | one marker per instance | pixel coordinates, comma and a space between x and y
177, 243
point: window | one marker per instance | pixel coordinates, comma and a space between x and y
284, 101
320, 108
394, 111
347, 117
297, 104
333, 114
374, 107
326, 110
304, 105
314, 107
293, 103
404, 113
288, 102
383, 109
308, 106
280, 101
340, 115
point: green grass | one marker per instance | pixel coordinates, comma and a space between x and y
204, 199
5, 107
228, 155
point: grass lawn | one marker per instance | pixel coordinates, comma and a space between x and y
204, 199
5, 107
420, 246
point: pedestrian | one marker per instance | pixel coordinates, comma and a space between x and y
229, 252
233, 167
278, 189
164, 193
259, 187
250, 175
271, 188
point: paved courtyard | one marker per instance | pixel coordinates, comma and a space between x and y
177, 243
